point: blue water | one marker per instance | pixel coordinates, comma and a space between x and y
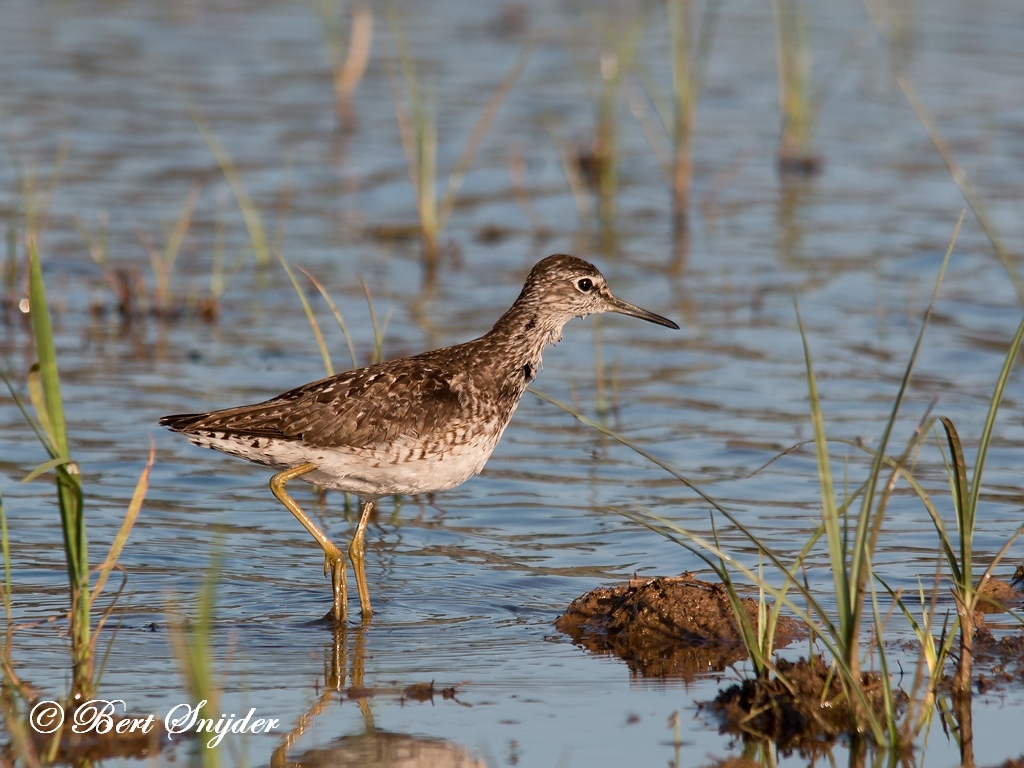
467, 585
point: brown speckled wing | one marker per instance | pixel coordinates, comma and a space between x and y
368, 407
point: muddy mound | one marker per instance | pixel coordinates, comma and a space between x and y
664, 627
805, 710
997, 595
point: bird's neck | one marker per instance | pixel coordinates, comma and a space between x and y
522, 333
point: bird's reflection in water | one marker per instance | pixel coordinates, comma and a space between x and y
383, 749
345, 661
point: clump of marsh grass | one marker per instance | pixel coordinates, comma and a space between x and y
689, 49
599, 164
50, 427
250, 213
162, 259
969, 593
797, 102
417, 124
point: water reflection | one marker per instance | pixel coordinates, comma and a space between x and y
336, 672
382, 749
345, 662
513, 547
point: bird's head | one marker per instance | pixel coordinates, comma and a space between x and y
562, 287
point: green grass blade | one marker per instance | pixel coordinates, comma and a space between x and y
378, 330
888, 697
483, 124
131, 515
250, 214
990, 420
859, 567
47, 356
961, 499
324, 353
72, 517
750, 634
69, 491
337, 315
921, 629
36, 426
948, 550
46, 433
46, 466
5, 542
829, 513
963, 182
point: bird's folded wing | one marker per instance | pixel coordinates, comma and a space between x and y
365, 408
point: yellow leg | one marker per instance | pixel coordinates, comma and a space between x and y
358, 557
334, 561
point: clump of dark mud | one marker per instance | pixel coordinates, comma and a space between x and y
664, 627
996, 595
997, 660
806, 709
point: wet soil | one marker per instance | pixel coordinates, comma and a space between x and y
664, 627
803, 707
997, 660
998, 596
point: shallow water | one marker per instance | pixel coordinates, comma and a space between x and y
467, 584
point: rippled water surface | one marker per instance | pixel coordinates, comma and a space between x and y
467, 584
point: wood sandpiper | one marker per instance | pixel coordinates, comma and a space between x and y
409, 426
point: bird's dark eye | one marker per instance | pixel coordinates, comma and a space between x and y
585, 284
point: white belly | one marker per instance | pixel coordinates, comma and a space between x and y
401, 468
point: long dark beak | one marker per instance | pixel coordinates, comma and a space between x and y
625, 308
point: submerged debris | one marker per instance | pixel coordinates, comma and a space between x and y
664, 627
